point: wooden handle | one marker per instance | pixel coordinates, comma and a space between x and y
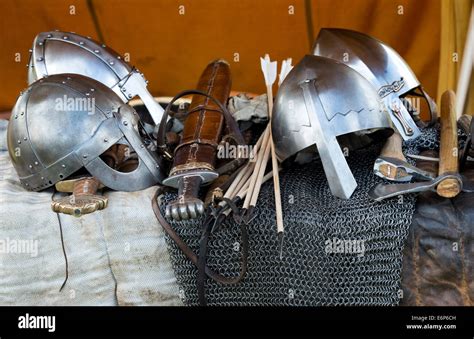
84, 199
426, 165
448, 150
393, 147
86, 186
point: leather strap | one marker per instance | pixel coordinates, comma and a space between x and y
230, 121
213, 220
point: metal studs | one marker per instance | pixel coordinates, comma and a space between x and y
49, 36
129, 96
22, 113
16, 116
42, 178
65, 37
88, 94
118, 57
25, 138
30, 50
63, 166
81, 43
125, 122
103, 45
106, 140
30, 166
40, 59
63, 82
41, 43
96, 51
92, 89
142, 146
36, 163
19, 141
111, 63
84, 156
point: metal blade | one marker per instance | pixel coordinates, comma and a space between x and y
381, 191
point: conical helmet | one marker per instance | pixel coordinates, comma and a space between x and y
382, 66
319, 100
65, 122
58, 52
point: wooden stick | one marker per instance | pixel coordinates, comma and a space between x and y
258, 165
276, 176
393, 147
261, 171
244, 189
448, 150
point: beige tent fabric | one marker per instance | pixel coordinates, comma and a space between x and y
172, 41
455, 15
117, 256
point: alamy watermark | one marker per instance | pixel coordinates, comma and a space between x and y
73, 104
229, 151
345, 246
19, 246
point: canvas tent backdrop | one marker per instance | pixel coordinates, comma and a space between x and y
171, 41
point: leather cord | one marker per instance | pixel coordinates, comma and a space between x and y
212, 221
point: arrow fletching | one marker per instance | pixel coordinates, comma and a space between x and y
269, 70
286, 67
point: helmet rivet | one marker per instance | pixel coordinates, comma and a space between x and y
125, 122
81, 42
84, 156
63, 82
87, 94
96, 51
30, 166
106, 140
49, 35
111, 63
36, 162
118, 57
16, 116
22, 113
19, 141
25, 138
142, 145
30, 51
129, 96
63, 166
40, 59
92, 89
42, 178
40, 43
65, 37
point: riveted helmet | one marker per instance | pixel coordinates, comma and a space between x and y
319, 100
382, 66
65, 122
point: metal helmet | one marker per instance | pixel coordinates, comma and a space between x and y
382, 66
65, 122
319, 100
62, 52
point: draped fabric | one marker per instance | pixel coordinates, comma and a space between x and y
455, 15
171, 41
